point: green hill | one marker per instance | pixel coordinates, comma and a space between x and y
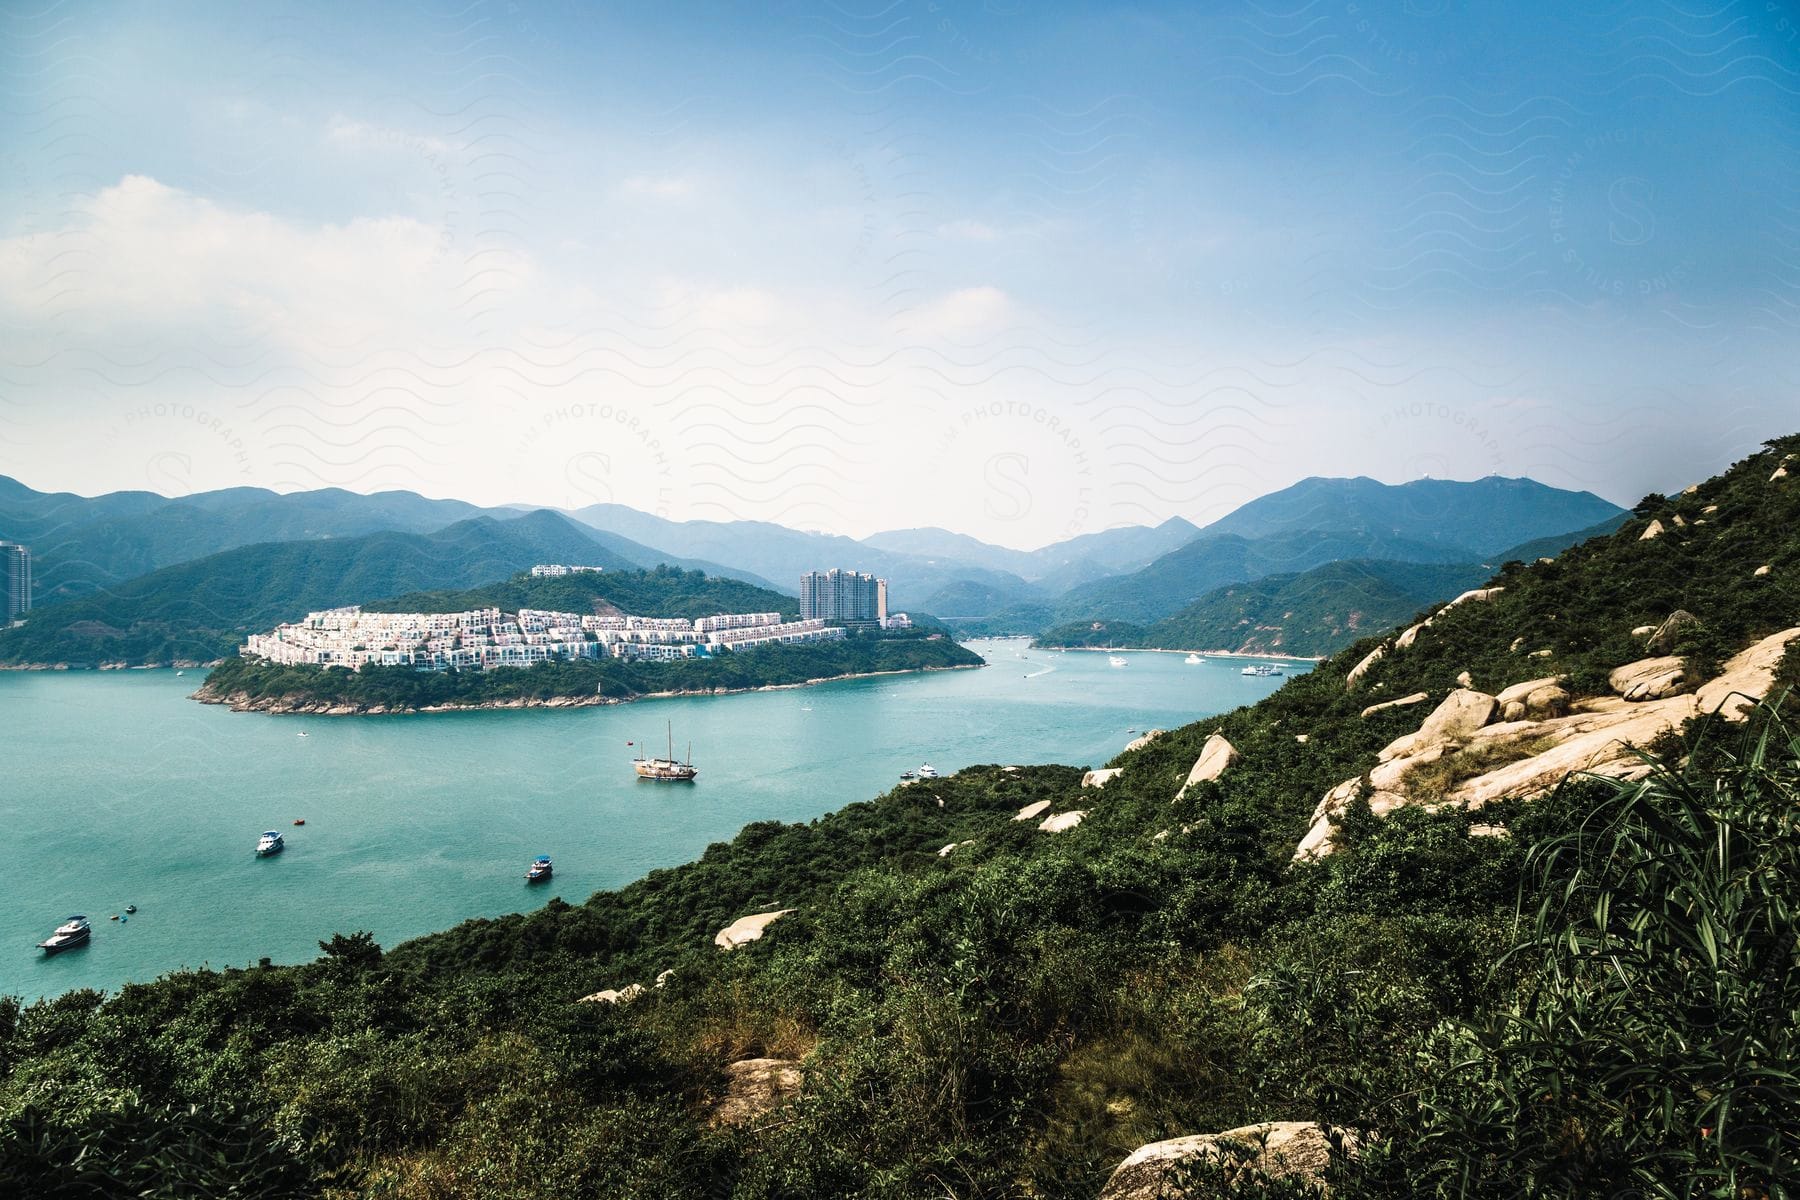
198, 611
1478, 517
1590, 993
663, 592
1215, 560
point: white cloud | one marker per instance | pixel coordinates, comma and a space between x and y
965, 313
146, 256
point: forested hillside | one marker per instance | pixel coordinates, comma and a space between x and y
199, 611
1587, 993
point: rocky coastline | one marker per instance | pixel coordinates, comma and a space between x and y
298, 705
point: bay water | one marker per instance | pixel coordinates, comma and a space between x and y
117, 789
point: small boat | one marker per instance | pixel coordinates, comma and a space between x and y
1193, 660
539, 870
666, 770
927, 771
179, 674
1261, 669
70, 934
1115, 660
299, 820
303, 733
908, 776
269, 843
131, 908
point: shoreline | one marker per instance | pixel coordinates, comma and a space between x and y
278, 706
1202, 653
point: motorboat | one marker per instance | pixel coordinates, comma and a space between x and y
666, 770
269, 843
1115, 660
539, 870
927, 771
1193, 660
70, 934
908, 776
1261, 669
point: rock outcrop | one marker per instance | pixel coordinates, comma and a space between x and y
745, 930
1138, 743
1649, 679
1402, 702
1670, 631
1601, 736
1652, 531
1362, 668
1298, 1150
1215, 756
1534, 699
1062, 821
1032, 811
624, 995
1100, 778
755, 1087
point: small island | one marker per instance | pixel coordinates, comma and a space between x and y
503, 646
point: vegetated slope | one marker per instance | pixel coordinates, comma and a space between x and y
80, 544
1313, 613
1019, 1013
1482, 516
253, 684
1214, 560
201, 610
662, 592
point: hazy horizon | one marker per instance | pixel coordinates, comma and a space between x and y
1020, 273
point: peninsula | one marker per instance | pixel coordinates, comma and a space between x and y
441, 651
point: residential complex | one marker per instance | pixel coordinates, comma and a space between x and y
486, 637
15, 581
556, 570
845, 597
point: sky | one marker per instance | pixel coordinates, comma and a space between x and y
1021, 270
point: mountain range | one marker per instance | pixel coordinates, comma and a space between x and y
126, 574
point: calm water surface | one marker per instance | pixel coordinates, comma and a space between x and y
115, 789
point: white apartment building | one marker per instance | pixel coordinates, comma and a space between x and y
485, 638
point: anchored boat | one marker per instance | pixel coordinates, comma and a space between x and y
539, 870
269, 843
667, 770
70, 934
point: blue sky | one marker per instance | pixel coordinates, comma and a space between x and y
1021, 270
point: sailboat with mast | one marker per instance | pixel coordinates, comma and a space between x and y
667, 770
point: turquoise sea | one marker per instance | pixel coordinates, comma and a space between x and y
116, 789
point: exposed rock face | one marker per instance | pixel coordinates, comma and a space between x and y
1602, 737
1463, 712
1140, 742
945, 852
1215, 757
1464, 679
1362, 668
1402, 702
1487, 831
1651, 532
1098, 779
747, 929
1666, 635
624, 995
1061, 821
1761, 571
755, 1087
1649, 679
1032, 811
1643, 631
1288, 1150
1535, 698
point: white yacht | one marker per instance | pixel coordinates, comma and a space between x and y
927, 771
1115, 660
1193, 660
269, 843
71, 933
